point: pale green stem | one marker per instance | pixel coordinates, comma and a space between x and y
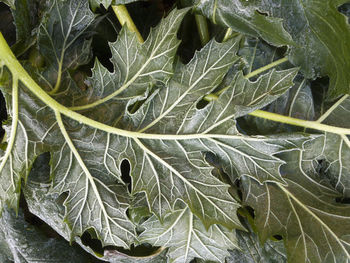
58, 81
8, 58
227, 34
211, 97
14, 124
124, 17
202, 27
298, 122
267, 67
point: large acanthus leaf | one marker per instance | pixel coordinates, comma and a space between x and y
187, 238
320, 31
172, 109
336, 154
244, 17
86, 155
137, 67
314, 227
26, 243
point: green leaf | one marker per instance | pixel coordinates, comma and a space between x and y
62, 40
304, 212
166, 141
187, 238
27, 16
245, 17
27, 243
137, 67
252, 251
319, 30
336, 148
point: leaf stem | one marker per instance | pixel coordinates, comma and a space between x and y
124, 18
8, 58
212, 96
267, 67
14, 125
298, 122
202, 27
227, 34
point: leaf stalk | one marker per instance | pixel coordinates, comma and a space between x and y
124, 18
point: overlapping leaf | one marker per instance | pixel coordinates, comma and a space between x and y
26, 243
305, 213
251, 250
319, 31
336, 152
245, 17
187, 238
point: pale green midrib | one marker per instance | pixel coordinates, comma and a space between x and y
60, 62
89, 177
189, 235
14, 124
289, 194
17, 70
299, 122
129, 82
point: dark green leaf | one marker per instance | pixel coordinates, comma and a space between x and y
319, 30
304, 212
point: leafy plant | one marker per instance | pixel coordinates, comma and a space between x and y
138, 156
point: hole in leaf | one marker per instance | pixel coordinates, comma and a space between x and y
125, 171
237, 185
278, 237
345, 10
135, 106
250, 211
211, 158
3, 114
40, 171
343, 200
262, 13
89, 239
61, 198
201, 104
142, 250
